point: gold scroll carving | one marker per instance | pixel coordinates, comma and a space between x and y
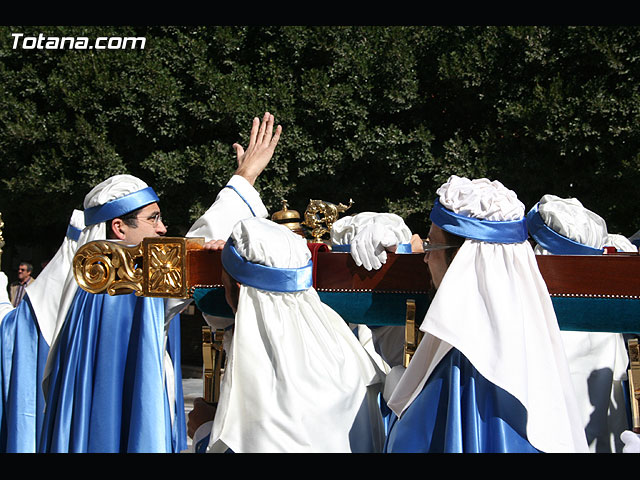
155, 268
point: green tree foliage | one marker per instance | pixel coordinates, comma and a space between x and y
382, 115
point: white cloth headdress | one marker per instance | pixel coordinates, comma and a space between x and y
297, 380
45, 292
565, 226
493, 305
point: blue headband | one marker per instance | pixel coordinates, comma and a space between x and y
263, 277
510, 231
552, 241
119, 206
401, 248
73, 233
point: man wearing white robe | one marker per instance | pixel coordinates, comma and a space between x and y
25, 337
597, 360
296, 378
113, 375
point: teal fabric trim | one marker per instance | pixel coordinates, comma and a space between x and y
585, 314
211, 301
375, 309
618, 315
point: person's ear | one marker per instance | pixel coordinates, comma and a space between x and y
117, 227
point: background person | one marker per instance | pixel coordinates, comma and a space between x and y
18, 288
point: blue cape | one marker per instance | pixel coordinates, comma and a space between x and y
23, 354
106, 390
459, 411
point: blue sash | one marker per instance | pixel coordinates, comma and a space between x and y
512, 231
552, 241
119, 206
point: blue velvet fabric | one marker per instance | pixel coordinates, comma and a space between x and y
23, 354
106, 391
459, 411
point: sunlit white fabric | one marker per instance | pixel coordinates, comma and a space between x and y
5, 302
597, 360
494, 307
296, 380
45, 292
631, 442
620, 242
568, 217
369, 234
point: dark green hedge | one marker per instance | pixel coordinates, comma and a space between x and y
382, 115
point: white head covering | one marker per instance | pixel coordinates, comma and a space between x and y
45, 291
493, 305
296, 379
366, 235
571, 222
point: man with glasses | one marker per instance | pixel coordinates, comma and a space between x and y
113, 381
18, 288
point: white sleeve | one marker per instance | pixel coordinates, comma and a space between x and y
5, 303
236, 201
201, 435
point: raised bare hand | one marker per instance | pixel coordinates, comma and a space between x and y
262, 144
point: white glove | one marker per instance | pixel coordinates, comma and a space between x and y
368, 247
631, 442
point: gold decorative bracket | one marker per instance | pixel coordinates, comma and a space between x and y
413, 335
154, 268
634, 383
213, 363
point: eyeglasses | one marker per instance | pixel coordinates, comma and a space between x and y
427, 246
155, 219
